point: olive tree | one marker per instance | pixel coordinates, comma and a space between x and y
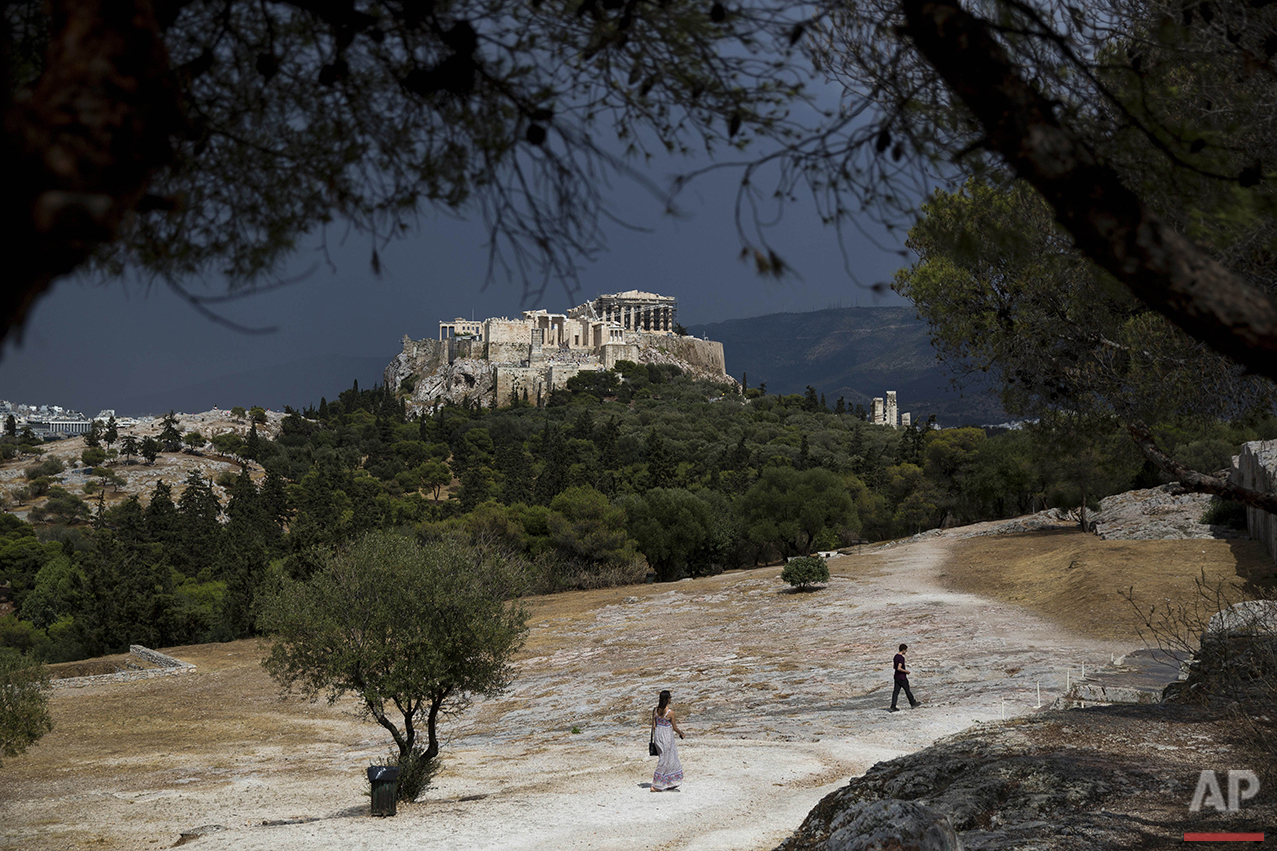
413, 630
24, 702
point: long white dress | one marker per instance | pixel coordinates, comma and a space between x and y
669, 771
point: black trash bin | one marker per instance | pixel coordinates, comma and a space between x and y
385, 788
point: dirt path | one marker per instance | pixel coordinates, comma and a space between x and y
783, 696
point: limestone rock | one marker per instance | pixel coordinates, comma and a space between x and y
892, 825
1155, 514
465, 380
417, 358
1253, 617
988, 789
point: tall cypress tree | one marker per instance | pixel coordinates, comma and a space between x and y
200, 538
162, 522
661, 466
554, 474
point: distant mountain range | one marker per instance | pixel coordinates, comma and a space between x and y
853, 352
297, 383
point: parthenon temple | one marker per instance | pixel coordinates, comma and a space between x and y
635, 310
539, 351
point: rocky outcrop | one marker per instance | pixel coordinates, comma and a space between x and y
1237, 662
417, 358
468, 371
1077, 780
697, 358
898, 825
1156, 514
464, 381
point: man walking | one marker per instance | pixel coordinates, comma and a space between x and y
902, 679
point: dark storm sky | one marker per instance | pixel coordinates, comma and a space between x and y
115, 345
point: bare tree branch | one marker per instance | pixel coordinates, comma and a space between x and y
1110, 223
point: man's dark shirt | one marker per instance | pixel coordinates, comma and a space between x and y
896, 664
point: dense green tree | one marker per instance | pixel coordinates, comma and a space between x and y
22, 556
248, 538
515, 470
672, 528
10, 427
253, 444
170, 436
228, 443
24, 702
662, 468
93, 456
161, 516
787, 508
127, 595
413, 630
554, 472
588, 530
803, 572
477, 485
199, 523
130, 446
111, 432
434, 476
150, 449
53, 592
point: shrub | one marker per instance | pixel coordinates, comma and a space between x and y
416, 770
48, 467
805, 571
1225, 512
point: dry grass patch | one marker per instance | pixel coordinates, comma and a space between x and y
1077, 580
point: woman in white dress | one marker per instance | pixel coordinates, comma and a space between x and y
669, 771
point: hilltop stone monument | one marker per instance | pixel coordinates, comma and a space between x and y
494, 361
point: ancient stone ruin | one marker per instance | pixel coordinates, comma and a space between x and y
887, 412
492, 362
1256, 468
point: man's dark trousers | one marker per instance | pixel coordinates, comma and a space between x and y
901, 683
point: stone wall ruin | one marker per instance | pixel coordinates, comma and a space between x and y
492, 362
887, 412
164, 666
1256, 468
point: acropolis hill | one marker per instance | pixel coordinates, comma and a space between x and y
492, 362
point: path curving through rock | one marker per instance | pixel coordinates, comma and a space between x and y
783, 694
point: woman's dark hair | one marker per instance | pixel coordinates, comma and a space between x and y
665, 700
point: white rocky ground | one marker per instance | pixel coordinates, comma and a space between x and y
139, 477
783, 696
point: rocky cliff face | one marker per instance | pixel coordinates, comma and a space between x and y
697, 358
464, 381
423, 366
1076, 780
418, 358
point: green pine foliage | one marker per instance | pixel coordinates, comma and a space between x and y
640, 472
804, 572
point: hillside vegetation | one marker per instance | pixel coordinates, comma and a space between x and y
621, 475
